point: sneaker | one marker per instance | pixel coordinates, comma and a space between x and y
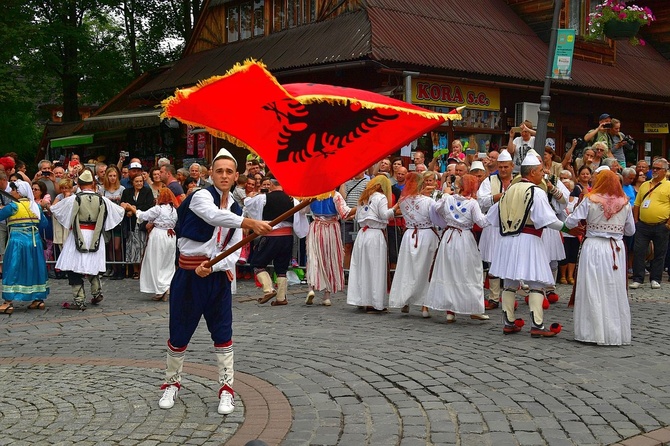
167, 400
310, 298
226, 403
655, 285
634, 285
327, 302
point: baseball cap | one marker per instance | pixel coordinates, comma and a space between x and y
603, 116
135, 165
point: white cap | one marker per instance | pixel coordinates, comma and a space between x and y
601, 168
224, 153
504, 156
476, 165
531, 159
135, 165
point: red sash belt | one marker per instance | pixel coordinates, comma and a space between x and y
532, 231
90, 226
286, 230
191, 262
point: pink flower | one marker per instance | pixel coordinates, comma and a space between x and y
622, 16
642, 42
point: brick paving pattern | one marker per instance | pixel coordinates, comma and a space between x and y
315, 375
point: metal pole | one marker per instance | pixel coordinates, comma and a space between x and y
543, 114
408, 84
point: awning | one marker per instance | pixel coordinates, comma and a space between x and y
124, 119
75, 140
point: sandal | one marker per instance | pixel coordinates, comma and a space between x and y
7, 307
136, 275
36, 305
276, 303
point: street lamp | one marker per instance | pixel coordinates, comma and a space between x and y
543, 113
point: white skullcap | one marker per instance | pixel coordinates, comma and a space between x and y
224, 153
531, 159
476, 165
601, 168
504, 156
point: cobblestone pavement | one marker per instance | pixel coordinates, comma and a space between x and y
316, 375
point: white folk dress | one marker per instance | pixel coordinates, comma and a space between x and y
417, 251
84, 262
367, 284
490, 234
523, 257
602, 313
456, 284
158, 264
551, 238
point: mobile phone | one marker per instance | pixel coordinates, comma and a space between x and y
516, 129
124, 154
481, 155
469, 151
46, 173
265, 191
607, 125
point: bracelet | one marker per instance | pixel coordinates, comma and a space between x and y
565, 229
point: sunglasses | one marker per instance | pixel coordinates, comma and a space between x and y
657, 168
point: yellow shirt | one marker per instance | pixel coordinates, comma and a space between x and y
658, 208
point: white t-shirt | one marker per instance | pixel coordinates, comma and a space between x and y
521, 148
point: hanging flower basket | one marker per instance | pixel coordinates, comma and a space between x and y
616, 19
618, 30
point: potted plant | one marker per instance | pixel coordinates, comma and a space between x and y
616, 19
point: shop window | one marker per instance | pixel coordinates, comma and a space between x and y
577, 13
291, 13
245, 20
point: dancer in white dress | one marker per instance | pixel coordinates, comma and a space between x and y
417, 248
456, 284
367, 285
158, 264
602, 312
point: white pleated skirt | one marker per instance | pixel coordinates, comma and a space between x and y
457, 281
82, 262
368, 270
521, 257
158, 264
553, 243
602, 313
410, 281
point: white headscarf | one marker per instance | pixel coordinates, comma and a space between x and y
25, 189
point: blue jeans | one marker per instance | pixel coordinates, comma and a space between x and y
645, 233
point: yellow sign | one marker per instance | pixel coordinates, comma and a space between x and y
427, 92
655, 127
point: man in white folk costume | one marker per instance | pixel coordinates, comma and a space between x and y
521, 214
88, 214
490, 192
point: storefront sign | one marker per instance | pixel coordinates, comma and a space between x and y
426, 92
565, 46
190, 140
655, 127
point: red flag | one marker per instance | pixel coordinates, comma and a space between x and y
312, 137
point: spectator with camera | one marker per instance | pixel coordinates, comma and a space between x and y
619, 143
600, 133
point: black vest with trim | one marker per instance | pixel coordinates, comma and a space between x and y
276, 203
191, 226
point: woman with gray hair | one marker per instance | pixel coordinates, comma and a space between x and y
25, 273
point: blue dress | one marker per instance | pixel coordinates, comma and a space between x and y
24, 275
